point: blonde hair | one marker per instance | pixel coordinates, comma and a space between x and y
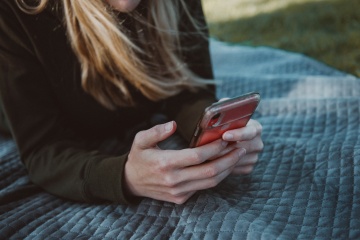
111, 60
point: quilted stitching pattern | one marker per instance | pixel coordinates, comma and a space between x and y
306, 184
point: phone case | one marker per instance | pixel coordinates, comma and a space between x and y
225, 115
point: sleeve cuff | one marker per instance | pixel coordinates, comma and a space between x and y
105, 181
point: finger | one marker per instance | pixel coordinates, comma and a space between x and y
254, 146
205, 183
243, 170
246, 164
250, 131
195, 156
248, 159
212, 168
257, 125
177, 196
230, 147
240, 134
224, 152
149, 138
180, 199
177, 192
171, 160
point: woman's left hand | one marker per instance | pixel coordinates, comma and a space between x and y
249, 138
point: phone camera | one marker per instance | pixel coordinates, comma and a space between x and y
214, 120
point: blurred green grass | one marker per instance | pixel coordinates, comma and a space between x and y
327, 30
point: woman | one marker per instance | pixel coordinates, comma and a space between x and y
75, 73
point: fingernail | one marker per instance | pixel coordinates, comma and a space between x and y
242, 152
228, 136
168, 127
224, 143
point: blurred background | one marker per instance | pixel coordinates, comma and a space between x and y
326, 30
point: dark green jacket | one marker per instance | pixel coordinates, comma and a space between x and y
55, 123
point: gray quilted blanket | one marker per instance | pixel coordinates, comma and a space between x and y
306, 184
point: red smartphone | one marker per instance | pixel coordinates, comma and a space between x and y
223, 116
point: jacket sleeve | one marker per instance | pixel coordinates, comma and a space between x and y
187, 107
56, 158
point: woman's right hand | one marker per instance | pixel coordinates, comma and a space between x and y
175, 175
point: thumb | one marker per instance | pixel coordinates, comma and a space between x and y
149, 138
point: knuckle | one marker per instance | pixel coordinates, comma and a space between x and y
180, 199
253, 131
195, 157
222, 145
247, 169
261, 146
252, 159
235, 157
162, 163
158, 165
211, 171
240, 136
259, 128
175, 192
257, 146
170, 182
213, 182
255, 159
140, 135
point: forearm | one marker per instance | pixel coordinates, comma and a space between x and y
69, 170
